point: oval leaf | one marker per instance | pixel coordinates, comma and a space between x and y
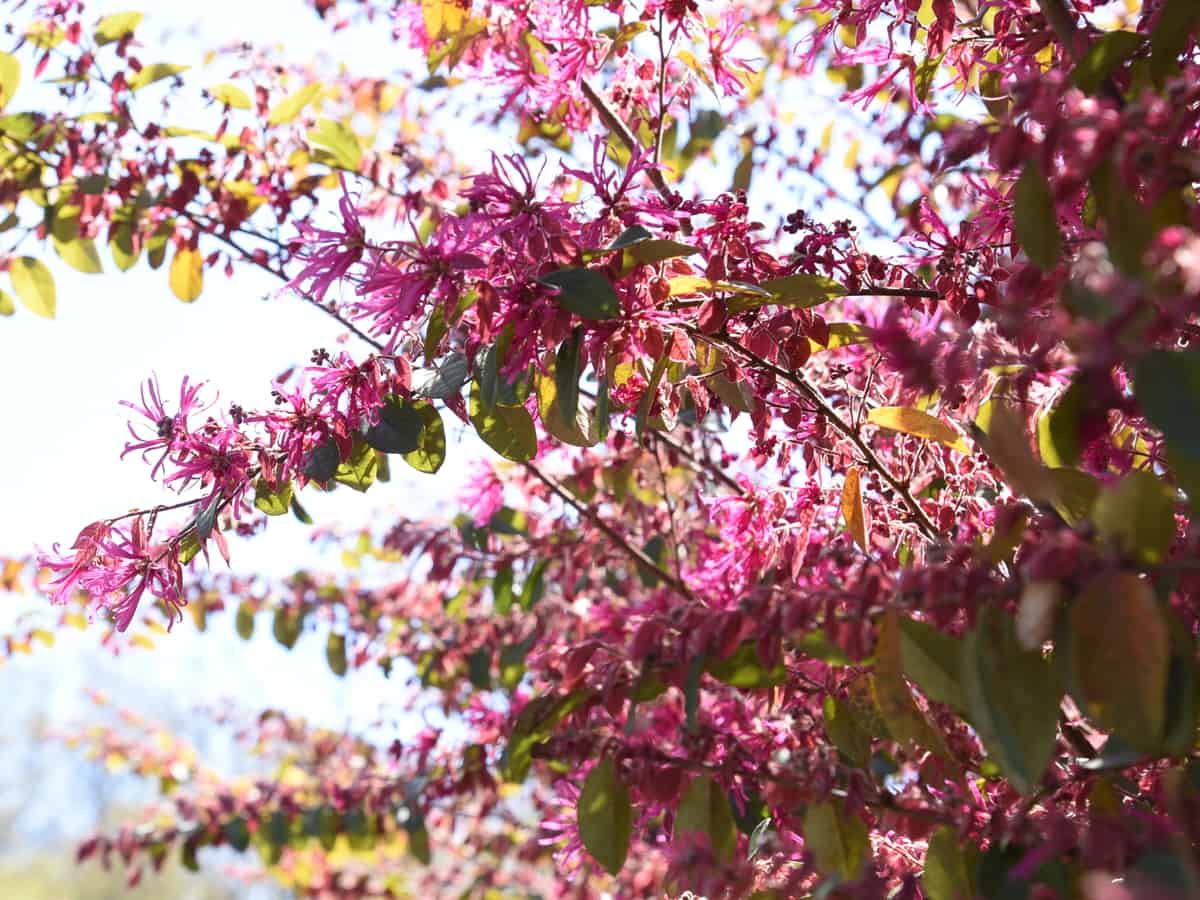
839, 843
852, 508
1035, 223
705, 808
34, 286
605, 816
508, 430
585, 292
186, 275
919, 424
1120, 656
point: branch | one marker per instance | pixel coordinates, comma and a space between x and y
613, 123
588, 513
873, 462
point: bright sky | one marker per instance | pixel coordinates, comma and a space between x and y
63, 432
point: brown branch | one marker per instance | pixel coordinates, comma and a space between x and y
872, 461
588, 513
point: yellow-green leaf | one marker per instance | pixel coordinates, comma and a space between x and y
10, 77
186, 275
431, 445
839, 843
154, 72
112, 28
34, 286
231, 95
905, 721
1035, 223
80, 254
1138, 515
287, 109
121, 244
705, 808
605, 816
339, 141
949, 867
508, 430
1120, 656
335, 654
919, 424
7, 306
272, 502
581, 432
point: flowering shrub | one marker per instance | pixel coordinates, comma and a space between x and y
834, 537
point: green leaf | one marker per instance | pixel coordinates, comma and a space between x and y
649, 396
1012, 699
502, 590
605, 816
742, 669
508, 430
566, 375
1138, 515
272, 502
1103, 58
949, 867
847, 732
300, 512
1035, 222
634, 234
532, 590
323, 460
34, 285
534, 725
244, 621
398, 429
148, 75
358, 471
418, 844
339, 140
7, 306
112, 28
803, 291
10, 77
1170, 36
655, 251
705, 808
1058, 430
839, 843
1127, 225
585, 292
580, 431
121, 245
931, 659
1120, 656
231, 95
335, 654
924, 75
79, 253
186, 276
430, 452
287, 109
446, 379
1167, 388
237, 834
286, 627
905, 721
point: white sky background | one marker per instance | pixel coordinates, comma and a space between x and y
62, 432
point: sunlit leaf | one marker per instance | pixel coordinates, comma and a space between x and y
853, 511
605, 816
291, 106
840, 843
153, 72
585, 292
509, 430
112, 28
34, 285
186, 276
920, 424
231, 95
10, 77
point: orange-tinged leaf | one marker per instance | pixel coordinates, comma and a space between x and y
443, 18
852, 508
919, 424
187, 274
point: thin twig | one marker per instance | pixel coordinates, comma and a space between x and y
588, 513
872, 461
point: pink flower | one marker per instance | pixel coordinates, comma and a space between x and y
483, 495
329, 253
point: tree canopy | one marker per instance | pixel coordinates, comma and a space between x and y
834, 418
